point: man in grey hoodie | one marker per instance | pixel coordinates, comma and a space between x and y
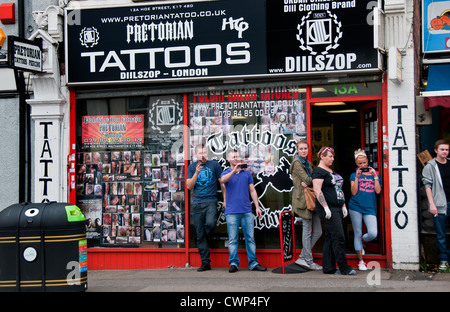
436, 178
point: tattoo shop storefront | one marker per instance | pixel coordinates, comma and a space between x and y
149, 82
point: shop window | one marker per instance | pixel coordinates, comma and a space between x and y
130, 171
131, 166
263, 124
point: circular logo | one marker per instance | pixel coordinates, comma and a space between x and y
30, 254
89, 37
31, 212
165, 116
319, 32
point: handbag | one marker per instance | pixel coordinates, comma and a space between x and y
310, 198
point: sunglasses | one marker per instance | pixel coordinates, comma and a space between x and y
327, 149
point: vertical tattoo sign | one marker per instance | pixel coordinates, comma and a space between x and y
400, 195
45, 159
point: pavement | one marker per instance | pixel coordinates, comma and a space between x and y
219, 280
180, 289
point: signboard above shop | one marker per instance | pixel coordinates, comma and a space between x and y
25, 54
436, 26
218, 40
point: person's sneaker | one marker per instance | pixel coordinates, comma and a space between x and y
233, 268
204, 267
315, 267
351, 272
259, 268
362, 266
443, 265
302, 263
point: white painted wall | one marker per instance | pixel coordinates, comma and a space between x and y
402, 141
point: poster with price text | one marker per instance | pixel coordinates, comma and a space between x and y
108, 131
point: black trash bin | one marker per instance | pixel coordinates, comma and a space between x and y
43, 248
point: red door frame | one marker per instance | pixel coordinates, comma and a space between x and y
71, 191
125, 258
377, 104
385, 168
380, 101
186, 136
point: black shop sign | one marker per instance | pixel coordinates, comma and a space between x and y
217, 40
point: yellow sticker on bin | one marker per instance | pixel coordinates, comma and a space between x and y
74, 214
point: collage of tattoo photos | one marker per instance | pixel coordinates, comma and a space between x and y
132, 197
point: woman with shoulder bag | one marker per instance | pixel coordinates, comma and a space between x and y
301, 170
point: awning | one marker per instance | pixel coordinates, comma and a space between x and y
438, 77
437, 101
437, 92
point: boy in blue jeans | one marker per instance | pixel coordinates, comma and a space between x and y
436, 178
238, 212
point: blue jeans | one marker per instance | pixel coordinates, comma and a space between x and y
312, 231
246, 221
371, 225
204, 216
440, 225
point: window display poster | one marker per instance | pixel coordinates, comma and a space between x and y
92, 210
263, 125
113, 131
131, 197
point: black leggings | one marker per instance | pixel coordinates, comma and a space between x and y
334, 245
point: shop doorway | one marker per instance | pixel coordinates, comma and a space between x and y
347, 126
